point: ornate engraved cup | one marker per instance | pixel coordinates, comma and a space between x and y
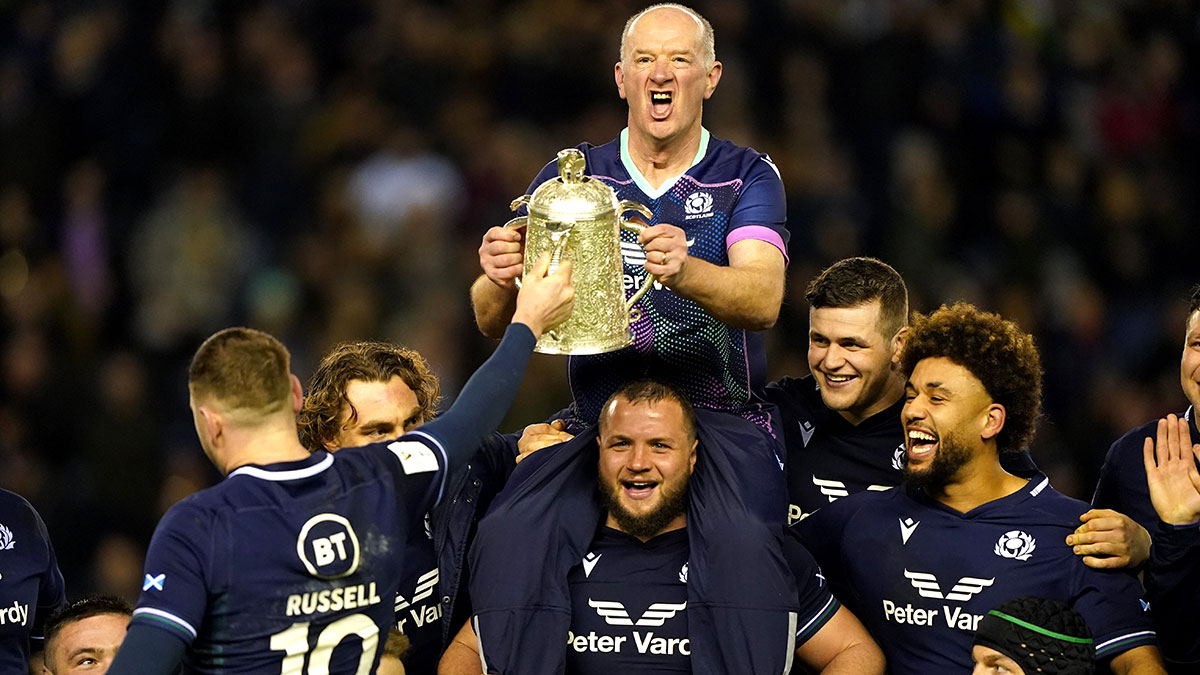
579, 218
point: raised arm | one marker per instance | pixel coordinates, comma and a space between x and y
494, 293
545, 301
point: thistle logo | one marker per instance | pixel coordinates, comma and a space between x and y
898, 458
966, 588
1015, 544
683, 573
615, 614
6, 539
698, 205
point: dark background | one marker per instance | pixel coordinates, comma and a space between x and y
324, 170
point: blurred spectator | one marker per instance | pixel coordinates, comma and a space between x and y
323, 170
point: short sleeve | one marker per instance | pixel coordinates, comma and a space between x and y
176, 582
815, 603
1111, 602
761, 210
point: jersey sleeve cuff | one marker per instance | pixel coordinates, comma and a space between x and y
760, 233
816, 622
157, 618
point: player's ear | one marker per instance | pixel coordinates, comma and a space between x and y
898, 341
713, 76
297, 394
619, 77
994, 421
213, 424
694, 454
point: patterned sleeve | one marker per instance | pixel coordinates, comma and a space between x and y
816, 605
176, 583
761, 211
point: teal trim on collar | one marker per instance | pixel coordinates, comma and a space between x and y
641, 181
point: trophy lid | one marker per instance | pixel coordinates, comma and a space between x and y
572, 196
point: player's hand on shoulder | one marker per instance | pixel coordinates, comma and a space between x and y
538, 436
502, 255
546, 299
1170, 461
1108, 539
666, 251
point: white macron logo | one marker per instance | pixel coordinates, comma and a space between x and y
806, 431
927, 586
615, 614
589, 563
907, 527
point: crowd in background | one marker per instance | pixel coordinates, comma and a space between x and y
324, 170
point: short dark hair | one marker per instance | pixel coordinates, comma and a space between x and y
242, 368
92, 605
368, 361
996, 351
856, 281
653, 391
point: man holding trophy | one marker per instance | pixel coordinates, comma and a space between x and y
713, 254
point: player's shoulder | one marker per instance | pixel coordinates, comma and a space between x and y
1040, 504
1128, 447
14, 504
796, 395
750, 162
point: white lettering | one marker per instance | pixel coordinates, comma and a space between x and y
908, 614
650, 644
332, 600
18, 614
961, 619
424, 615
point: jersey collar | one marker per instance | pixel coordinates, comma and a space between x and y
640, 180
281, 471
1038, 483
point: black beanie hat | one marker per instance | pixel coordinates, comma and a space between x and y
1041, 635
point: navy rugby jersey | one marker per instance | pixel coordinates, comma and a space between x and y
281, 560
730, 193
629, 604
1173, 573
419, 605
827, 457
920, 575
31, 587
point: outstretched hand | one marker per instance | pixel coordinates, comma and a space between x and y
1171, 473
545, 299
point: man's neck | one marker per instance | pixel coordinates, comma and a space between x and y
678, 523
981, 481
662, 160
264, 445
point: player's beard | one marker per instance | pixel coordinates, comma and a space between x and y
952, 455
671, 504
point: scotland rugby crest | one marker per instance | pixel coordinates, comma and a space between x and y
1015, 544
6, 538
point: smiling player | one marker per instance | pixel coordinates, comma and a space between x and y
962, 534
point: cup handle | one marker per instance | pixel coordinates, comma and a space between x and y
516, 224
636, 227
